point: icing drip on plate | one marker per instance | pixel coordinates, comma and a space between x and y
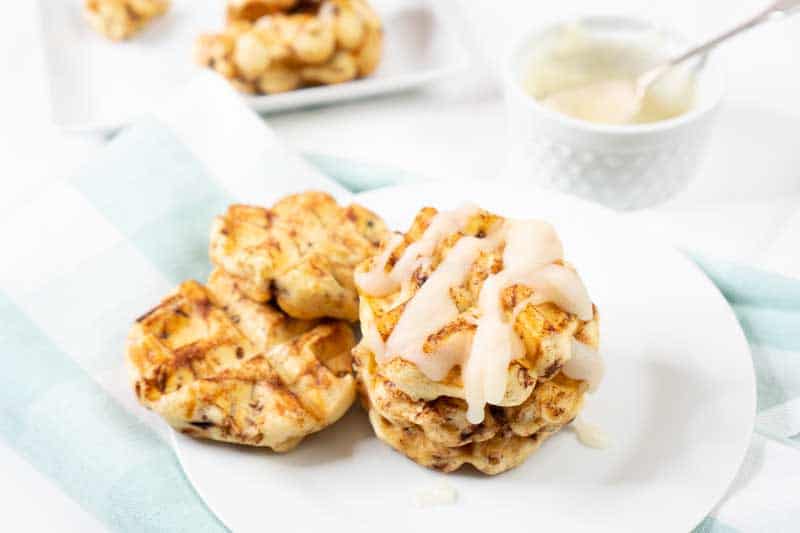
585, 365
590, 434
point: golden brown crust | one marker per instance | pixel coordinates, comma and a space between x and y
493, 456
273, 46
252, 10
121, 19
426, 419
217, 365
302, 251
547, 332
437, 434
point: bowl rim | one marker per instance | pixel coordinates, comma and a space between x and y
524, 41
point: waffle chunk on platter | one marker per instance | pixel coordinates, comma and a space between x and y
122, 19
274, 46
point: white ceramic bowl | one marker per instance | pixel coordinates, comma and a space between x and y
624, 167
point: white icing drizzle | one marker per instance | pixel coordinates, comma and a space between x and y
531, 257
432, 308
532, 246
586, 364
589, 434
378, 282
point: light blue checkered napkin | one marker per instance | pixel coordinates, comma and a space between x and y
133, 224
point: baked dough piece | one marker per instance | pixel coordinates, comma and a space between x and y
436, 433
217, 365
302, 251
273, 46
426, 419
252, 10
121, 19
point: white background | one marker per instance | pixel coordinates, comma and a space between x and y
739, 207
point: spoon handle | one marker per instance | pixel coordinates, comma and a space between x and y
778, 8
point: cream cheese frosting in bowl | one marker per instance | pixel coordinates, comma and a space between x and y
579, 144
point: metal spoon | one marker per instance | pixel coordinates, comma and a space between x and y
619, 101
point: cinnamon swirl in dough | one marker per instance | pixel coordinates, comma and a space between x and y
302, 251
217, 365
479, 340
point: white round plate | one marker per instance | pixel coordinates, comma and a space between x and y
678, 402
